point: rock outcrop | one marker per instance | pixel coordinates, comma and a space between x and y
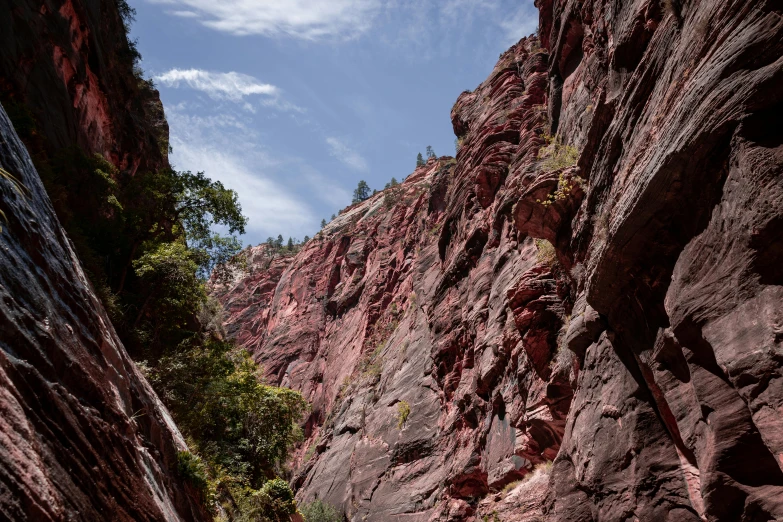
68, 75
83, 435
594, 280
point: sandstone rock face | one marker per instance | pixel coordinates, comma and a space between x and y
422, 327
82, 435
449, 351
69, 64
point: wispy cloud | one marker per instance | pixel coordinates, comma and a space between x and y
521, 23
227, 149
305, 19
350, 157
220, 86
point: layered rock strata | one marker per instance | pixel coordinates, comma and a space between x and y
449, 351
83, 435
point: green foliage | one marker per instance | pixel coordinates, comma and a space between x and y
392, 196
371, 365
191, 469
430, 152
556, 155
403, 411
546, 252
323, 223
333, 218
290, 244
565, 185
319, 511
273, 502
127, 13
174, 292
361, 193
219, 400
420, 160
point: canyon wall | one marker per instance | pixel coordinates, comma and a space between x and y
594, 280
83, 435
68, 78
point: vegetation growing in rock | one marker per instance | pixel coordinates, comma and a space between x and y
565, 185
556, 155
320, 511
403, 411
242, 428
430, 152
419, 160
546, 253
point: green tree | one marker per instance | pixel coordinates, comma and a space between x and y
290, 243
361, 193
174, 293
430, 152
323, 223
215, 392
270, 242
419, 160
279, 241
333, 217
306, 239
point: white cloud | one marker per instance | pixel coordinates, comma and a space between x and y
220, 86
306, 19
350, 157
523, 22
227, 150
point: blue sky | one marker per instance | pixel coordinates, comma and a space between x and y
292, 102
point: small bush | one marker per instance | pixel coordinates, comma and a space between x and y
403, 411
556, 155
563, 191
319, 511
546, 252
192, 470
274, 502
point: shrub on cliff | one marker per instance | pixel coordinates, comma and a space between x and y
235, 420
319, 511
273, 502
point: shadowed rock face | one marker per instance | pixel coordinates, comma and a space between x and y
666, 288
68, 63
83, 435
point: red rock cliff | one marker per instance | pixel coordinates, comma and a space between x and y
68, 65
448, 349
83, 435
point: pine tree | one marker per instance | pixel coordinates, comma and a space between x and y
290, 243
361, 193
430, 152
393, 182
323, 223
270, 242
333, 217
419, 160
279, 241
306, 239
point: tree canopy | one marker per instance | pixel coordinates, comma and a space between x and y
361, 193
